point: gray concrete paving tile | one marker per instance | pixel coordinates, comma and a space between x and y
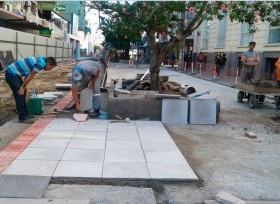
247, 202
171, 171
140, 123
61, 127
31, 167
94, 122
124, 156
174, 111
86, 144
121, 145
159, 146
131, 129
89, 135
164, 156
92, 128
121, 124
122, 136
12, 186
56, 134
62, 121
41, 201
52, 154
48, 142
83, 155
125, 170
78, 169
155, 137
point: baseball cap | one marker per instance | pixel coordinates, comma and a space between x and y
77, 73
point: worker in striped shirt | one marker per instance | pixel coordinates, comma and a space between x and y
250, 60
19, 74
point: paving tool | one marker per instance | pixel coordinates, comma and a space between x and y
126, 120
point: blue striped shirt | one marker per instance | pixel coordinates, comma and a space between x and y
23, 67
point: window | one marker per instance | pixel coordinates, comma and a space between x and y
205, 35
222, 29
245, 36
274, 35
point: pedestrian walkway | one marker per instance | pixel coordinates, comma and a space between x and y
100, 149
63, 148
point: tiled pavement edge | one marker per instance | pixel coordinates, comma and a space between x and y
14, 149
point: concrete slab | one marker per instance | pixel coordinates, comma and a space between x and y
23, 186
86, 99
56, 134
89, 135
164, 156
154, 137
78, 169
174, 111
125, 170
171, 171
86, 144
131, 129
102, 193
41, 201
122, 136
124, 156
83, 155
31, 167
48, 142
92, 128
61, 127
159, 146
94, 122
64, 121
51, 154
121, 145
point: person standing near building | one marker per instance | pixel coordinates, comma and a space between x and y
27, 68
276, 73
250, 60
200, 59
223, 63
103, 60
87, 74
218, 63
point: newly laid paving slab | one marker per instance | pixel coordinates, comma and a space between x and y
23, 186
104, 150
247, 202
41, 201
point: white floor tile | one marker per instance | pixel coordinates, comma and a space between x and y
53, 154
56, 134
124, 156
31, 167
171, 171
78, 169
122, 136
86, 144
61, 127
159, 146
66, 121
121, 145
125, 170
89, 135
164, 156
83, 155
131, 129
48, 142
92, 128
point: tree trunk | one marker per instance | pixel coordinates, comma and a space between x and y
155, 62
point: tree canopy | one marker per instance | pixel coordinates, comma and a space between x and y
175, 20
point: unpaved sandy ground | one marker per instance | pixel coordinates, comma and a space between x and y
221, 156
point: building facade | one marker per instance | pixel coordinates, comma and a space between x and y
232, 38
